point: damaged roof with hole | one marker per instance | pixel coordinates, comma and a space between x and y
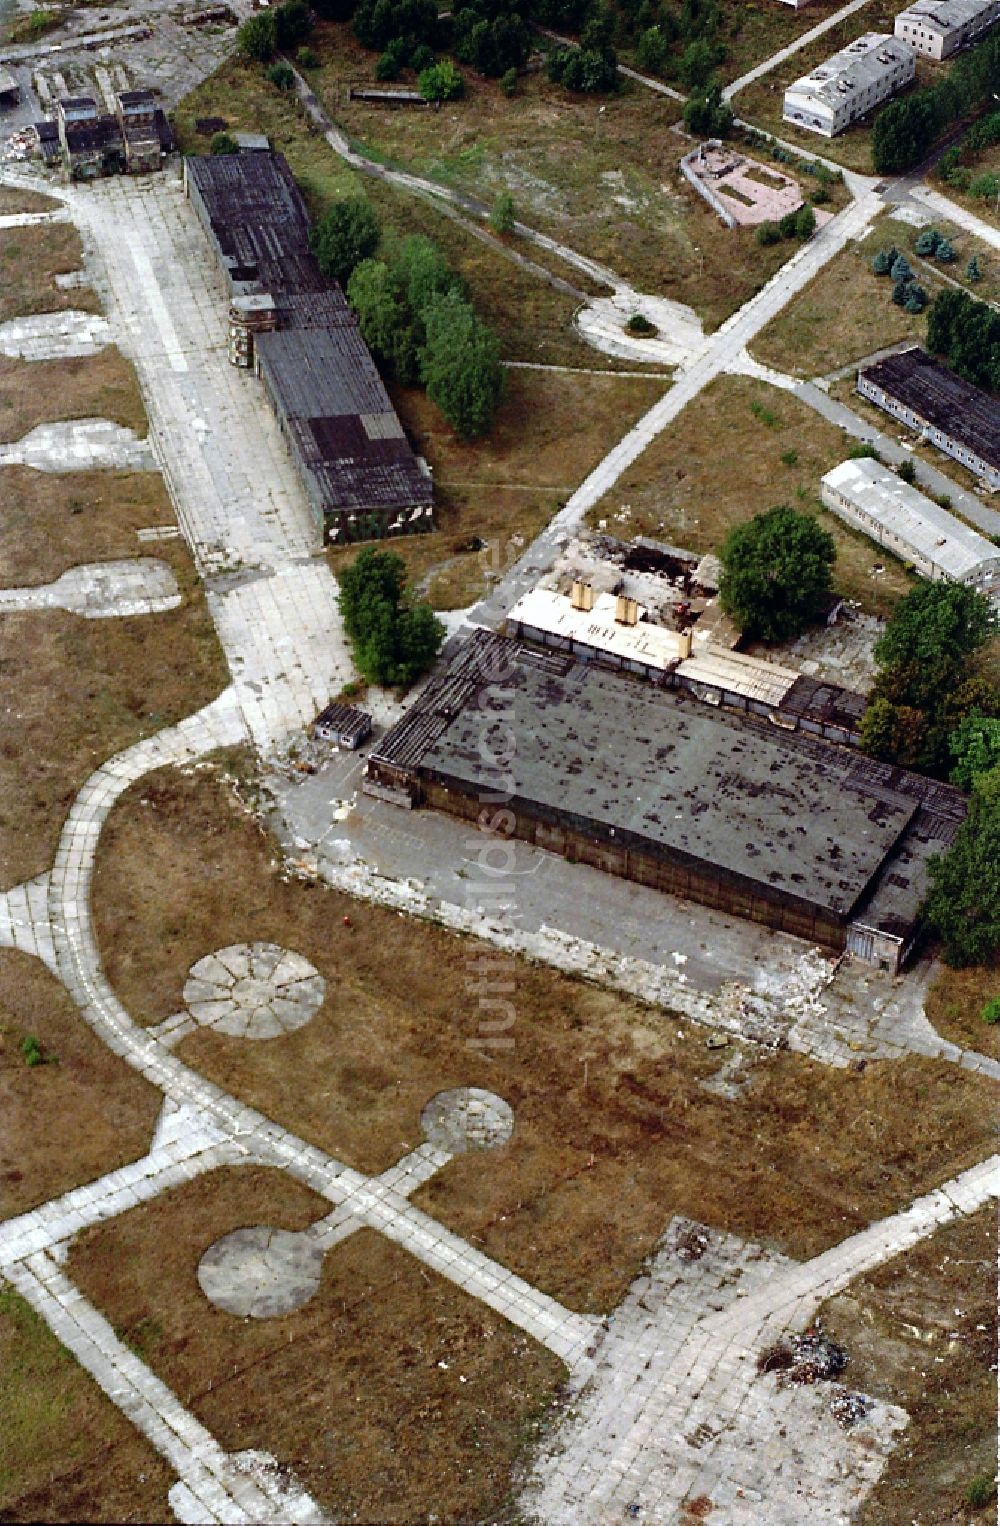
332, 404
653, 769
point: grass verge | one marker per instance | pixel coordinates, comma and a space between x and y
551, 431
102, 386
79, 1114
81, 690
613, 1133
30, 260
14, 200
737, 449
53, 520
955, 1005
66, 1452
921, 1332
402, 1398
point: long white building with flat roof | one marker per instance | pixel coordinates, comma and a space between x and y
850, 84
869, 496
938, 28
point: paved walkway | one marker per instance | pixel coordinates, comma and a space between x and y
676, 1412
55, 336
79, 445
102, 590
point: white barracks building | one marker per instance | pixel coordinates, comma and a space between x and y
850, 84
938, 28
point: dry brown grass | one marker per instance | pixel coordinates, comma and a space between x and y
15, 200
102, 386
720, 463
392, 1394
79, 691
921, 1332
955, 1005
30, 260
613, 1134
66, 1452
551, 431
82, 1113
52, 520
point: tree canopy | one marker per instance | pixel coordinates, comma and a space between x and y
927, 681
394, 639
344, 236
963, 905
975, 748
461, 365
967, 334
905, 130
776, 573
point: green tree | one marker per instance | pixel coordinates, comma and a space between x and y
293, 24
916, 298
502, 217
698, 62
441, 82
936, 621
652, 49
975, 747
257, 38
374, 295
767, 233
394, 639
963, 904
945, 252
928, 242
805, 222
344, 236
973, 271
901, 269
461, 365
281, 75
776, 572
706, 114
882, 264
223, 143
508, 82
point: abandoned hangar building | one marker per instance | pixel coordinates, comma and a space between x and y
361, 477
655, 785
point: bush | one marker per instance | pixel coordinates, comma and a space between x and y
972, 270
502, 217
767, 233
640, 325
344, 236
394, 639
789, 457
980, 1491
223, 143
31, 1049
707, 115
945, 252
292, 24
307, 59
508, 83
991, 1014
392, 62
906, 471
863, 452
441, 82
805, 222
820, 196
281, 75
590, 71
788, 224
257, 38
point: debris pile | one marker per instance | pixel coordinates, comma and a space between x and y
848, 1407
807, 1358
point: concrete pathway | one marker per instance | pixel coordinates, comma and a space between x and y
834, 19
32, 219
941, 206
79, 445
676, 1423
102, 590
55, 336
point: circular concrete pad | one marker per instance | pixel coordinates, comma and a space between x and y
261, 1271
254, 990
467, 1119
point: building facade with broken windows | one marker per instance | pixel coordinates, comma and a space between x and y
658, 786
362, 478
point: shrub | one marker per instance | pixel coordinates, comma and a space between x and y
590, 71
980, 1491
640, 325
863, 452
789, 457
972, 270
502, 217
945, 252
257, 38
292, 24
991, 1014
767, 233
223, 143
508, 82
788, 225
441, 82
307, 59
281, 75
390, 63
31, 1049
906, 471
805, 222
820, 196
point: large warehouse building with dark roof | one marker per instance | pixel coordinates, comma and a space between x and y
359, 472
957, 417
654, 785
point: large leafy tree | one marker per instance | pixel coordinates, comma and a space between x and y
975, 748
394, 639
776, 572
344, 236
461, 365
927, 682
963, 905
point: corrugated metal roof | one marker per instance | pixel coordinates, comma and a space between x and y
751, 677
932, 534
970, 416
652, 645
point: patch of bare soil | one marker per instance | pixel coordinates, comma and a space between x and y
80, 1112
66, 1453
613, 1134
921, 1331
392, 1394
79, 691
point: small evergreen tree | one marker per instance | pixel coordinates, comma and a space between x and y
901, 271
972, 270
928, 242
916, 298
281, 75
945, 252
805, 222
502, 217
882, 264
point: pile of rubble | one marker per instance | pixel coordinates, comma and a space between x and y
20, 146
813, 1357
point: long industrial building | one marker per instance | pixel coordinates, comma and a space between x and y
872, 498
659, 787
952, 414
294, 327
850, 84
